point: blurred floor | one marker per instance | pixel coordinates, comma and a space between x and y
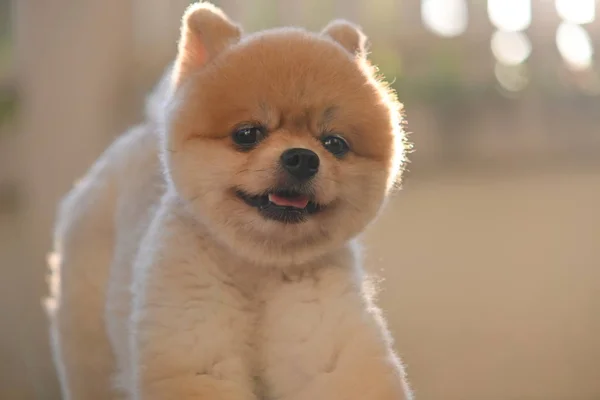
492, 285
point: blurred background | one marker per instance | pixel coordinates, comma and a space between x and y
489, 256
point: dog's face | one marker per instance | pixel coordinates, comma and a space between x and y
283, 143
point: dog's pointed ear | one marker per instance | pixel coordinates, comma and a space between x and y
348, 35
205, 32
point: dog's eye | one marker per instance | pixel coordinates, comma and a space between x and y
248, 136
336, 145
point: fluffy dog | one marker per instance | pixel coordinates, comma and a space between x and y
210, 253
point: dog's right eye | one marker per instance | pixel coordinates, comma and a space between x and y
248, 136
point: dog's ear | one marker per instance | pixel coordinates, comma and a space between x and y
205, 32
348, 35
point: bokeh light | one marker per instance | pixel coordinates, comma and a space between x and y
510, 48
512, 78
574, 45
510, 15
447, 18
576, 11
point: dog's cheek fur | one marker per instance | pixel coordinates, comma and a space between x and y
361, 196
201, 169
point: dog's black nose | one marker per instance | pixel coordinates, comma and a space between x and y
302, 164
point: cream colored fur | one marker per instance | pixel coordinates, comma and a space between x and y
147, 304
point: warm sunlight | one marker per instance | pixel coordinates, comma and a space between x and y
510, 15
576, 11
294, 199
574, 45
445, 17
510, 48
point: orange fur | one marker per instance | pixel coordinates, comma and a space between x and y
172, 287
299, 86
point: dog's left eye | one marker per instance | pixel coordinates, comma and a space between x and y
336, 145
248, 136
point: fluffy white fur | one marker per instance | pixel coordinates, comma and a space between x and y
146, 304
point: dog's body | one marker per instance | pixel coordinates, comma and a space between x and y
175, 284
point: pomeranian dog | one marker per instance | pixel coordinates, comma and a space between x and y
210, 253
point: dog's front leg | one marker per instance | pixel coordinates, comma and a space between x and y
189, 325
324, 340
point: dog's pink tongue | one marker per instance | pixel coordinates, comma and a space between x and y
297, 202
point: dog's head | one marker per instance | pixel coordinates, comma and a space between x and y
283, 143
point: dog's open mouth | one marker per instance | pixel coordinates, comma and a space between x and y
286, 206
